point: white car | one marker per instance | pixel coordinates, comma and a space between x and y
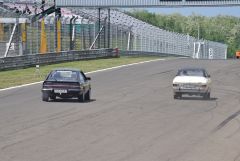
192, 81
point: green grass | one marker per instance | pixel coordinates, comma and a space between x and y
29, 75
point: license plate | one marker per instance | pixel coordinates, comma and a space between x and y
60, 91
189, 87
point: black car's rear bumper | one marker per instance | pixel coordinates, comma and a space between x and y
70, 92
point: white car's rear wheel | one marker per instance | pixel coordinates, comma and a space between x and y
177, 95
206, 95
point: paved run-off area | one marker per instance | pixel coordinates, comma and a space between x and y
132, 117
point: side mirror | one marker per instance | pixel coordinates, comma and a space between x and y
88, 78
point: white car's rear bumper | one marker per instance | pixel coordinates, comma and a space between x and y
193, 90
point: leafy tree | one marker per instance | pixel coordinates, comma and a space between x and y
221, 28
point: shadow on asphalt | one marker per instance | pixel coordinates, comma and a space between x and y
71, 100
198, 98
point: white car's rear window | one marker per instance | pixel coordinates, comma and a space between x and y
190, 72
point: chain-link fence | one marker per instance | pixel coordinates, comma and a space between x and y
82, 29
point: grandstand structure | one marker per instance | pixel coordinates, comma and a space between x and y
84, 29
145, 3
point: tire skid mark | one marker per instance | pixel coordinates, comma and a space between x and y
233, 116
89, 116
50, 118
47, 117
236, 131
237, 158
145, 147
214, 107
39, 135
15, 143
211, 112
210, 109
164, 72
226, 121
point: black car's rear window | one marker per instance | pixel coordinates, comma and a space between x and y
191, 72
71, 76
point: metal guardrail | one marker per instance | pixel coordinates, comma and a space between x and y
17, 62
144, 53
49, 58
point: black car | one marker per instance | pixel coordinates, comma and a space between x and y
66, 83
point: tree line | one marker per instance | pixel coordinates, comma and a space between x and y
221, 28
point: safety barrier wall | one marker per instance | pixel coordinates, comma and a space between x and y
145, 53
48, 58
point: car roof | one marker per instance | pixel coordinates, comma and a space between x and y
202, 69
67, 69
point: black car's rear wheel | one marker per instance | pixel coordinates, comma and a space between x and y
206, 95
177, 95
81, 98
45, 96
53, 97
88, 95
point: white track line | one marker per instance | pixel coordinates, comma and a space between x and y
101, 70
127, 65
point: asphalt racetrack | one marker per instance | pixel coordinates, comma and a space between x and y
132, 117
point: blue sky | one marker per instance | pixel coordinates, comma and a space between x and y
204, 11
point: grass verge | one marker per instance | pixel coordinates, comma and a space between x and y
30, 75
